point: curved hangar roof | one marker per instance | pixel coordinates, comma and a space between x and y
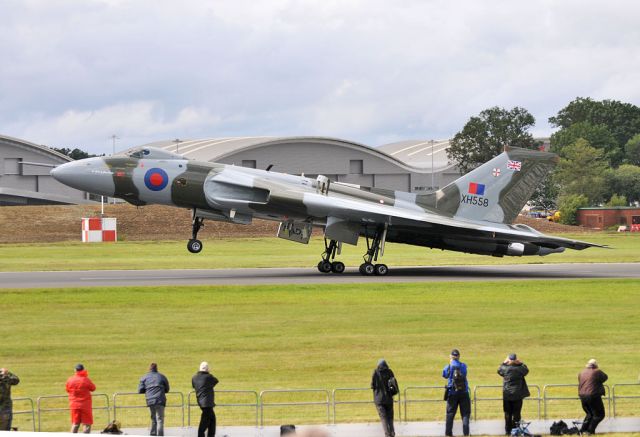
413, 155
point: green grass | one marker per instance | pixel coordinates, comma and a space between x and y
273, 252
317, 336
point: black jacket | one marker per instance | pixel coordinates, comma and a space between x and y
379, 385
203, 383
514, 386
154, 385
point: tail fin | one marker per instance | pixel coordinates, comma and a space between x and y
497, 190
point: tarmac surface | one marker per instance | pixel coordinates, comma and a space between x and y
310, 275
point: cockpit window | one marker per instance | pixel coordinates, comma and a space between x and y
153, 153
142, 153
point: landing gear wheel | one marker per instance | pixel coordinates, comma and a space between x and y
337, 267
367, 269
194, 246
381, 269
324, 266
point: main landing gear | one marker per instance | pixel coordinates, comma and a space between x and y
328, 263
375, 247
194, 245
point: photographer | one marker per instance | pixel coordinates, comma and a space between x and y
514, 390
7, 379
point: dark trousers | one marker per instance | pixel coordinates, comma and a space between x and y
385, 411
593, 406
512, 414
454, 401
6, 417
207, 422
157, 420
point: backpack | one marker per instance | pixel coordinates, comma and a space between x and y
458, 379
392, 386
558, 428
112, 428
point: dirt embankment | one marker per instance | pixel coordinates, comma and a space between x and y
31, 224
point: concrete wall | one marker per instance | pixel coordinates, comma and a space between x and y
23, 182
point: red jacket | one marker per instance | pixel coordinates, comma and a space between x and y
79, 387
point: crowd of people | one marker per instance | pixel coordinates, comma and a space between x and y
154, 385
514, 390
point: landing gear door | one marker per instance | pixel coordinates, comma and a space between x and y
300, 232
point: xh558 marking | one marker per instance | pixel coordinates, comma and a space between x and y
474, 214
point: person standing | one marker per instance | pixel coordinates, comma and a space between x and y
203, 383
591, 389
79, 387
7, 379
456, 392
514, 390
155, 385
384, 386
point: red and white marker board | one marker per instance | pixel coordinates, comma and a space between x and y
98, 229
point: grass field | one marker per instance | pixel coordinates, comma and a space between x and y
317, 336
273, 252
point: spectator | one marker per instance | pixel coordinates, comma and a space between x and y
203, 383
514, 390
155, 385
383, 396
79, 387
7, 379
456, 392
591, 390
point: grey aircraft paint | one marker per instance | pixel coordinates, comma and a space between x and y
473, 214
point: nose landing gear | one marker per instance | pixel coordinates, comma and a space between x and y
194, 245
327, 264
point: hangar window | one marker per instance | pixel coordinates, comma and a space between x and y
249, 163
355, 166
12, 165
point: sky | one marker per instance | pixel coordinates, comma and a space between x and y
75, 72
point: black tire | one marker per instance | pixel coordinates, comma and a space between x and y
324, 266
367, 269
381, 269
194, 246
337, 267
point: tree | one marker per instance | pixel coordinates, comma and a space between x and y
625, 181
484, 136
598, 136
621, 119
73, 154
581, 172
546, 194
568, 207
617, 201
632, 150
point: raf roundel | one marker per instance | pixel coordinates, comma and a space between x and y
156, 179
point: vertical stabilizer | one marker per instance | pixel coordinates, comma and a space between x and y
497, 190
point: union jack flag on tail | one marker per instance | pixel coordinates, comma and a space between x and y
514, 165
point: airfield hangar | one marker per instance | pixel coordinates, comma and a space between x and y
24, 175
404, 166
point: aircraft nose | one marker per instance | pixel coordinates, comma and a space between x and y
91, 174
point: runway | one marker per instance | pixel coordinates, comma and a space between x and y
310, 275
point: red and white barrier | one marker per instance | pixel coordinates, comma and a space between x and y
98, 229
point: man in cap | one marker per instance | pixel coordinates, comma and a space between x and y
514, 390
383, 397
203, 383
155, 385
456, 392
79, 387
591, 389
7, 379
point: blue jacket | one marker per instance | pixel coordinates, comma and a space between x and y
447, 373
154, 385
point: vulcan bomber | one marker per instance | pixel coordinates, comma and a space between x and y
474, 214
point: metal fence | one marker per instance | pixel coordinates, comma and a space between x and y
558, 398
24, 412
316, 404
496, 397
131, 408
59, 404
361, 404
627, 399
233, 407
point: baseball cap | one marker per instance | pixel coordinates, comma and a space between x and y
79, 367
513, 357
455, 353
